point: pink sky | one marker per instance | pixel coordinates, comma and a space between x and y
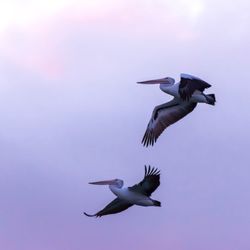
72, 113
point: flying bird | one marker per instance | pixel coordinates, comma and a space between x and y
187, 93
138, 194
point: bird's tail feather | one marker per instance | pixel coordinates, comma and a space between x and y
211, 99
157, 203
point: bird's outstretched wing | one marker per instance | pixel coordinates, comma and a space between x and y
115, 206
189, 84
164, 116
150, 182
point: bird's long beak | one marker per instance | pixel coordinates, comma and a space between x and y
108, 182
156, 81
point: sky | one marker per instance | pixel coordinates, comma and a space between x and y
72, 113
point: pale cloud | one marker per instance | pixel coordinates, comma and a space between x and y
38, 35
30, 12
34, 32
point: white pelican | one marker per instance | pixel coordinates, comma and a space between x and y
187, 93
138, 194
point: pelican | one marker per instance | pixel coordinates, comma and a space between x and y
187, 93
138, 194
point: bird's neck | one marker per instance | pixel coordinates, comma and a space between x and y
170, 89
115, 189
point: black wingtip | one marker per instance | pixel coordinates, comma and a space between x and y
151, 171
148, 139
89, 215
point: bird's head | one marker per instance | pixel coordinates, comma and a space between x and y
115, 182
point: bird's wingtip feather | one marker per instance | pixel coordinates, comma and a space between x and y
90, 215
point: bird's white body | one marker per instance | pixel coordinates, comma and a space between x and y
132, 197
173, 90
198, 97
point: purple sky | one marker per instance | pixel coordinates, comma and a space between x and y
71, 112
